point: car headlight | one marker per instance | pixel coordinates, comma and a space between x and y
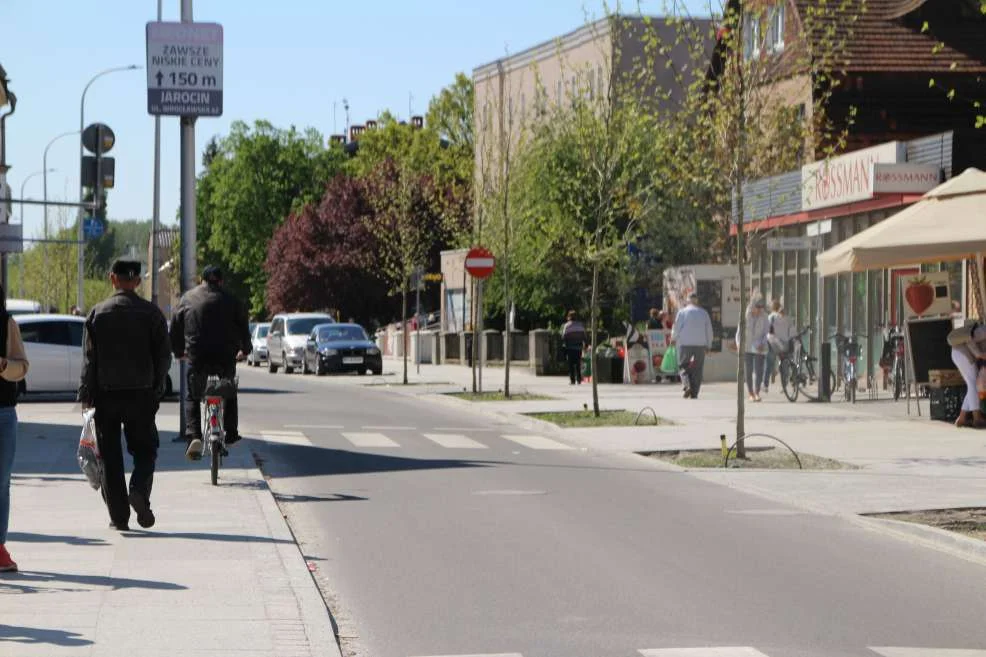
329, 352
372, 351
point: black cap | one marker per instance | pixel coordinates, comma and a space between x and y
212, 273
126, 269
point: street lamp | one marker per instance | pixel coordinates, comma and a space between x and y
21, 258
80, 300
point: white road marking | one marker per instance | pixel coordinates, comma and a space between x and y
369, 440
927, 652
385, 428
454, 441
703, 652
286, 438
499, 654
466, 429
314, 426
537, 442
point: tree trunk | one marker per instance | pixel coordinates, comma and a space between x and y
472, 320
741, 360
593, 370
404, 329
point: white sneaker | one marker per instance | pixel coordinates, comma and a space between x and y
194, 451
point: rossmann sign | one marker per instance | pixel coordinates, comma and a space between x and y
846, 178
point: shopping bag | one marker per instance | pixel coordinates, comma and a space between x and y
90, 461
669, 363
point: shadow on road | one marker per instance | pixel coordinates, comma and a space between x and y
22, 580
205, 536
23, 537
309, 461
336, 497
37, 635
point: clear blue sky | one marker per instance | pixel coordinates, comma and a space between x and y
288, 62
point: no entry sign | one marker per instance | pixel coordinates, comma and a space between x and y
480, 263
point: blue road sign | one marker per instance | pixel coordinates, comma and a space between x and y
92, 228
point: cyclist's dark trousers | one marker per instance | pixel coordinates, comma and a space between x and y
694, 373
134, 410
198, 374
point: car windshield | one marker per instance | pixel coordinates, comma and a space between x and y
263, 331
336, 333
304, 326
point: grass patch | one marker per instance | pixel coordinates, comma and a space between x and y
969, 522
605, 419
760, 458
499, 396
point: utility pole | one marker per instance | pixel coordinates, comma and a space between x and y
188, 230
156, 220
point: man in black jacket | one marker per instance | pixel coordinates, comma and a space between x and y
210, 329
124, 373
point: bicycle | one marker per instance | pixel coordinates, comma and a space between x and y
849, 350
892, 361
797, 368
217, 391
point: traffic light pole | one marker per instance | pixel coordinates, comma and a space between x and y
188, 247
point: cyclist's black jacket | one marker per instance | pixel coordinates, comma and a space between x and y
125, 347
209, 327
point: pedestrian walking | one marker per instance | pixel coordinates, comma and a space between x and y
780, 332
126, 357
13, 368
755, 348
574, 339
969, 355
692, 336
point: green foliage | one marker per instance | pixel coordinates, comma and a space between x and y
254, 178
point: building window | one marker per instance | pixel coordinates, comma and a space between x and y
775, 28
751, 36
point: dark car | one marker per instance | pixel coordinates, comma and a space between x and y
341, 348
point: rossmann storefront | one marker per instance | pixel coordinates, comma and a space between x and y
832, 201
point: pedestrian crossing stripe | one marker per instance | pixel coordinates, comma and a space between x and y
927, 652
369, 440
537, 442
454, 441
286, 438
703, 652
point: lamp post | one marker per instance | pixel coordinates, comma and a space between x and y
44, 165
20, 261
80, 298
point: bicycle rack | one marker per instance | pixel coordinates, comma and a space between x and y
636, 420
725, 462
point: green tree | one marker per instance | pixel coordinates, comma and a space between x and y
254, 178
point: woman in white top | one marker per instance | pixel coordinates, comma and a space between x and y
969, 357
755, 349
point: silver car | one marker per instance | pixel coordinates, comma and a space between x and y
258, 336
288, 338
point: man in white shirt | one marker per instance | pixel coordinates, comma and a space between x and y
692, 337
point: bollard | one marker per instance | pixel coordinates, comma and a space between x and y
725, 447
824, 372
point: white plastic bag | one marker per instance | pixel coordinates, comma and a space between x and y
90, 460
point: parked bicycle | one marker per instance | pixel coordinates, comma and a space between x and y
217, 391
849, 351
892, 361
797, 368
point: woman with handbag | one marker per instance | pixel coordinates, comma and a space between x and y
13, 368
754, 349
969, 355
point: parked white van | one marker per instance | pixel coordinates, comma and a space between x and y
23, 307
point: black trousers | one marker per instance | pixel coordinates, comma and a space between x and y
693, 373
198, 374
134, 411
574, 357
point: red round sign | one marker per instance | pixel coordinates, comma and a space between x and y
480, 263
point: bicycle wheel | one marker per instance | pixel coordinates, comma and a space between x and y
851, 390
790, 380
898, 381
215, 449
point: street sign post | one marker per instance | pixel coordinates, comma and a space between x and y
792, 243
184, 69
480, 262
92, 228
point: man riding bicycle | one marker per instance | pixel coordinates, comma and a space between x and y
210, 329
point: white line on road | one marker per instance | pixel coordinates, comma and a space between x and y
314, 426
465, 429
703, 652
499, 654
454, 441
286, 438
537, 442
369, 440
927, 652
386, 428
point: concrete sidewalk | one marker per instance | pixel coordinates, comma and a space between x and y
219, 575
904, 462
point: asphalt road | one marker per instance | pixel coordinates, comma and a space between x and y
432, 534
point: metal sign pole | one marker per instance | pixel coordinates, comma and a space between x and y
188, 264
417, 321
156, 216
